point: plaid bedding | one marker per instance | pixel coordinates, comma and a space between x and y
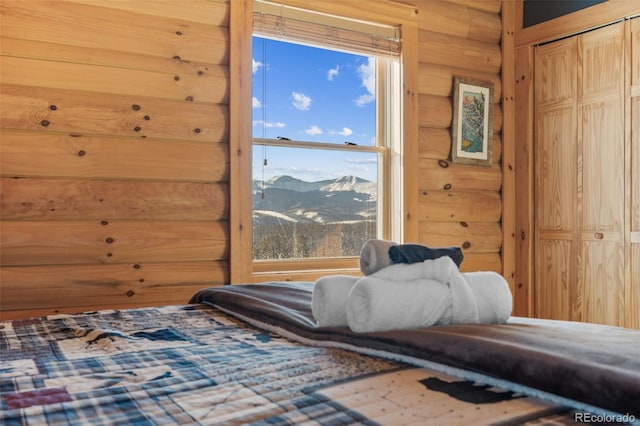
193, 364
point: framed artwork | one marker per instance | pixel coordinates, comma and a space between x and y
472, 127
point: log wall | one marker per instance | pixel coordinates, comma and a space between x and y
459, 205
114, 155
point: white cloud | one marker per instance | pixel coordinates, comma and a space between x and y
360, 169
333, 72
256, 102
344, 132
269, 124
301, 101
367, 73
313, 130
256, 65
362, 100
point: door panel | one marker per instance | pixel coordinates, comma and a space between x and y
555, 65
603, 166
603, 282
555, 180
602, 52
556, 169
553, 273
602, 174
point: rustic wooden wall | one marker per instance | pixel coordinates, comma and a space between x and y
114, 148
114, 153
459, 204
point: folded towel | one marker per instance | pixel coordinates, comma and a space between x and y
414, 253
329, 300
378, 254
444, 270
377, 305
404, 296
492, 294
374, 256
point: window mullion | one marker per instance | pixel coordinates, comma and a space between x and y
382, 140
288, 143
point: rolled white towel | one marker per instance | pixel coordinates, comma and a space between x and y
374, 255
492, 294
329, 299
433, 292
444, 270
379, 305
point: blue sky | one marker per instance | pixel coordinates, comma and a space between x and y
312, 95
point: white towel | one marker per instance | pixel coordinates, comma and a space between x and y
493, 296
443, 270
374, 255
411, 296
329, 300
379, 305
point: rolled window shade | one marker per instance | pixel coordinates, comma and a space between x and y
280, 22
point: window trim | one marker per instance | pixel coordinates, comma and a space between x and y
387, 113
386, 12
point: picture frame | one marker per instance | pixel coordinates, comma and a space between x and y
472, 126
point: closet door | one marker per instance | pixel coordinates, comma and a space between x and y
580, 177
556, 180
601, 160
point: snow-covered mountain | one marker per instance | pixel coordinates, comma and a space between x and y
344, 183
287, 199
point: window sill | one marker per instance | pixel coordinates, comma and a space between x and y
303, 269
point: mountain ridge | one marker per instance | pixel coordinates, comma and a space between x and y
342, 200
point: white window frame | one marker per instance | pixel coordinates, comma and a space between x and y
388, 135
402, 157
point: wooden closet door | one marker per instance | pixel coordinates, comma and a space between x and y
580, 177
556, 180
601, 174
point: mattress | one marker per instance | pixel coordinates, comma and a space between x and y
216, 362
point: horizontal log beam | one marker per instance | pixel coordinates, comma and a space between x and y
69, 286
476, 237
460, 206
76, 112
69, 199
88, 242
208, 85
99, 27
458, 52
47, 154
442, 175
461, 21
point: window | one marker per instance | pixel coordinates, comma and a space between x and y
326, 116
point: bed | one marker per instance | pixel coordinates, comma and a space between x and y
252, 354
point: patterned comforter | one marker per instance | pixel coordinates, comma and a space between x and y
194, 364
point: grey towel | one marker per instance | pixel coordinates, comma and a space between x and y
374, 256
